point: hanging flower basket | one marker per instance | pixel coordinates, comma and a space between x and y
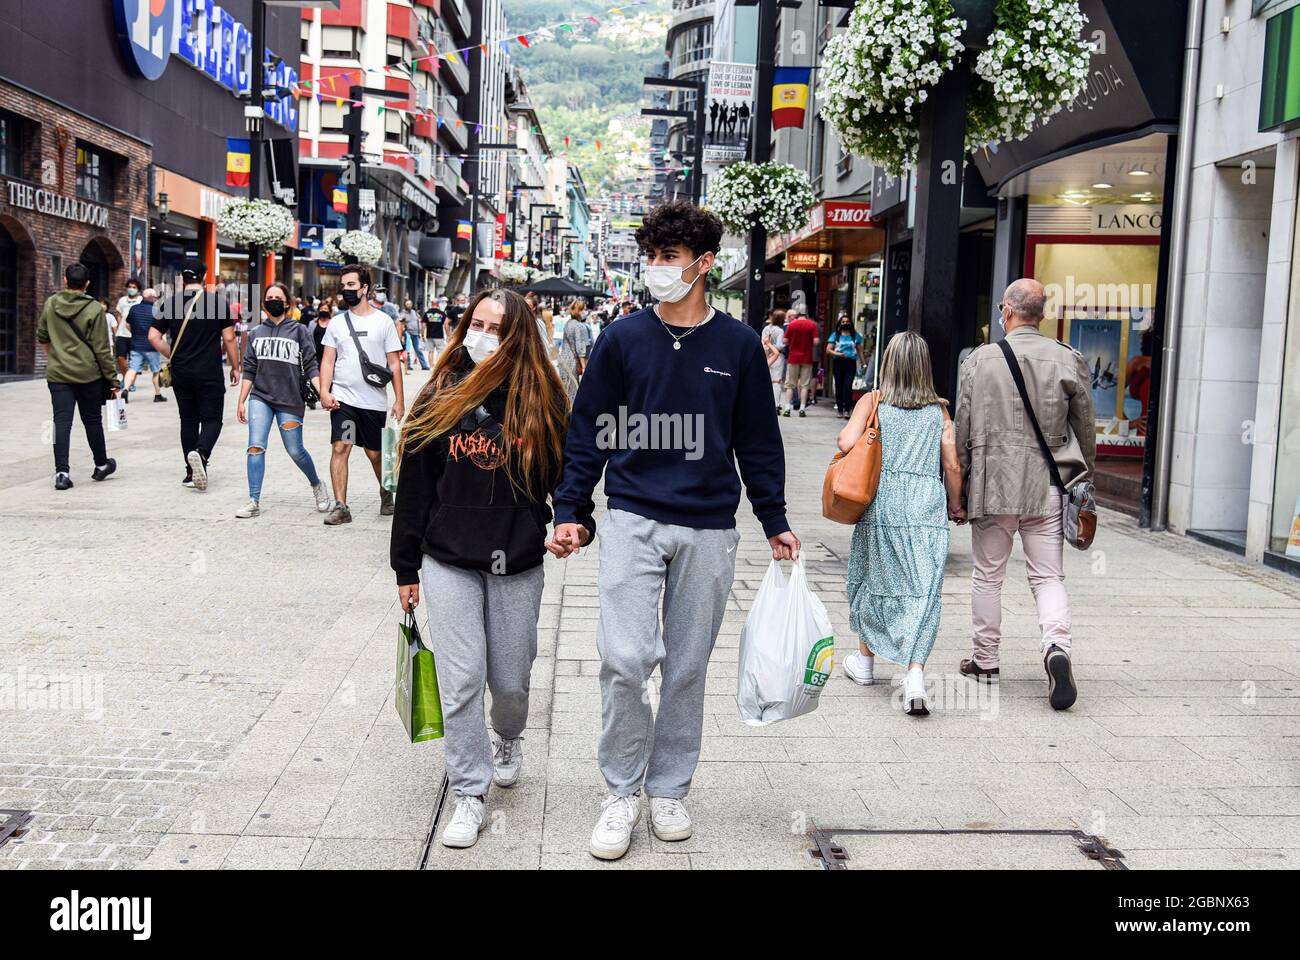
776, 195
256, 223
877, 73
513, 272
354, 246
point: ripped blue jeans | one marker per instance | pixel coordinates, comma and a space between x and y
260, 417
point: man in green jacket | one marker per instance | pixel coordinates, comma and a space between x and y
79, 359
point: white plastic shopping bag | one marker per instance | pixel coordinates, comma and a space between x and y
787, 650
115, 414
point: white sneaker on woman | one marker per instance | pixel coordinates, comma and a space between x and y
669, 819
507, 760
613, 834
915, 700
465, 823
860, 668
322, 495
251, 509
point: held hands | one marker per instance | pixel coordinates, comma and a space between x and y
785, 546
568, 540
409, 596
957, 514
327, 401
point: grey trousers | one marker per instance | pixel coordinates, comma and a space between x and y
694, 570
482, 629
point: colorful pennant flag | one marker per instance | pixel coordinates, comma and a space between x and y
789, 96
239, 162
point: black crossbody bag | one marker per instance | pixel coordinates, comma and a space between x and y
371, 372
1079, 518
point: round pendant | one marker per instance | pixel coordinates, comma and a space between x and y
676, 345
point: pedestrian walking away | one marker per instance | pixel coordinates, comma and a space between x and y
280, 355
79, 372
469, 535
671, 527
774, 348
802, 339
360, 356
575, 347
897, 554
411, 321
139, 319
200, 328
1009, 486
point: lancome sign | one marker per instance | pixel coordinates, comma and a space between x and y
27, 196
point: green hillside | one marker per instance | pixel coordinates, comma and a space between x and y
586, 83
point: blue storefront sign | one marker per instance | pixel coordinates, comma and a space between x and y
209, 39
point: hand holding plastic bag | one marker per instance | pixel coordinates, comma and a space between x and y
787, 650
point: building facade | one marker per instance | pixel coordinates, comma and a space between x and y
113, 151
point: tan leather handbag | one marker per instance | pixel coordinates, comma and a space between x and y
853, 478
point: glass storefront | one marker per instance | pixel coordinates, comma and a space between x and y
1284, 535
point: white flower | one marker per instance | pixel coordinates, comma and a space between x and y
354, 246
257, 223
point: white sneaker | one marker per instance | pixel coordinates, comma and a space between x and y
323, 499
915, 701
465, 823
197, 470
860, 668
669, 819
507, 759
613, 833
251, 509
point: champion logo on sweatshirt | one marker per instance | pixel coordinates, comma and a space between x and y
721, 373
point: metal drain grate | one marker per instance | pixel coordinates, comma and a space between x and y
15, 824
834, 855
433, 824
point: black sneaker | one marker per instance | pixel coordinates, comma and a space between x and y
103, 473
1061, 691
159, 398
62, 481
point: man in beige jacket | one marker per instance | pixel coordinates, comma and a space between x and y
1008, 484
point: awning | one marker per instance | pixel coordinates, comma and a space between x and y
842, 228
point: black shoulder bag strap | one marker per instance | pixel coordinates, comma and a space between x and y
106, 385
1019, 378
371, 372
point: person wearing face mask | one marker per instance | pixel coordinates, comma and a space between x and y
122, 342
575, 346
360, 357
480, 454
280, 354
669, 541
844, 347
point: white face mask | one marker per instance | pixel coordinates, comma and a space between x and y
666, 283
480, 345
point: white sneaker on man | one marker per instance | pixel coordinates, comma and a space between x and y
507, 759
860, 668
466, 822
613, 834
669, 819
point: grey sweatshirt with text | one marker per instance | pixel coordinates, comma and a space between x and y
277, 357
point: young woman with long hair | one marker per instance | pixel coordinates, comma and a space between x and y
480, 453
899, 546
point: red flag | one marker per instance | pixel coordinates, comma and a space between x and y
523, 40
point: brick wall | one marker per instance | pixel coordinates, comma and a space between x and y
49, 161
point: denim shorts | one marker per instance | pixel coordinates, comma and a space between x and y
139, 358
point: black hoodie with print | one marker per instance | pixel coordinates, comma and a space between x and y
455, 502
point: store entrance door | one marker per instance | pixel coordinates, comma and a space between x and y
8, 302
94, 260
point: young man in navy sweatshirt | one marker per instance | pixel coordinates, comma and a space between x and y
673, 399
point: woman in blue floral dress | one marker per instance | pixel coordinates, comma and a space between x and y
897, 554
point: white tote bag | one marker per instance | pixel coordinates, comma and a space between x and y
787, 650
115, 414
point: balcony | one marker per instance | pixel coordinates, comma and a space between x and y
352, 13
402, 23
457, 133
686, 12
456, 14
455, 69
452, 188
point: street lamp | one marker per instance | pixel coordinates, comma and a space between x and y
531, 210
697, 171
473, 223
356, 107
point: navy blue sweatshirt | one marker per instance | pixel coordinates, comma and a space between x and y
669, 427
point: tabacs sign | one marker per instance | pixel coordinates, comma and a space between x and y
206, 37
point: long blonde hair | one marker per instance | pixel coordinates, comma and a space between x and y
906, 377
537, 406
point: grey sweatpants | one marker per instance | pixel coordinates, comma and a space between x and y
482, 629
694, 570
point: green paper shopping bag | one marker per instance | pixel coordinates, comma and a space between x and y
417, 698
389, 475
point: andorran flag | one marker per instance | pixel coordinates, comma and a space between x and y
789, 96
239, 161
463, 229
340, 200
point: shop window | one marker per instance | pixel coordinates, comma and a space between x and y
340, 42
1285, 534
11, 145
94, 174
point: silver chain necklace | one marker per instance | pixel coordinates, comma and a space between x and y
677, 340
